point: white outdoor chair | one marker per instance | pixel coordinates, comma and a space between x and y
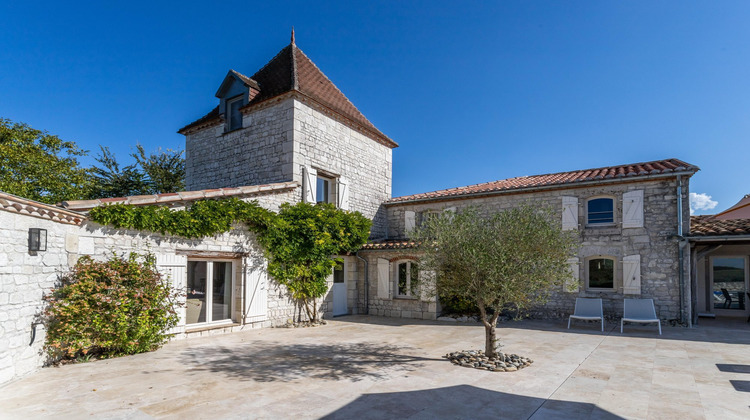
640, 310
588, 309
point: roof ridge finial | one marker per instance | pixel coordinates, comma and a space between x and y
293, 35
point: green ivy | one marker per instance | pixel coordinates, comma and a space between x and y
204, 218
298, 241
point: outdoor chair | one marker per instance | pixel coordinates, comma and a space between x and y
641, 311
588, 309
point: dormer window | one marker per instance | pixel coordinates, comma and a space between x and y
234, 116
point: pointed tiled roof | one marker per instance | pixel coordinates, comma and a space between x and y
292, 71
620, 172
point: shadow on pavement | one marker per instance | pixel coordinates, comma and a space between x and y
464, 402
274, 361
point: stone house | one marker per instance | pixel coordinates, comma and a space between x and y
287, 134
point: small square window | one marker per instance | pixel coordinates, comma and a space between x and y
600, 211
601, 273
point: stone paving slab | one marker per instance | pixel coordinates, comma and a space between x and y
376, 368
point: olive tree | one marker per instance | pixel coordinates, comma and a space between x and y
512, 258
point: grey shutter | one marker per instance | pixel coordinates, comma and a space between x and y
632, 209
572, 283
342, 193
384, 279
309, 184
427, 286
570, 213
631, 275
174, 268
410, 221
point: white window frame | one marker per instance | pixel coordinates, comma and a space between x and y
394, 277
614, 211
331, 189
587, 261
209, 287
730, 312
228, 112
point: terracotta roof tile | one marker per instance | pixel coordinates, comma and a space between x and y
711, 226
388, 244
562, 178
291, 70
15, 204
182, 196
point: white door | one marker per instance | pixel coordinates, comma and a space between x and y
339, 291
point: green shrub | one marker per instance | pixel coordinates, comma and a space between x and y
111, 308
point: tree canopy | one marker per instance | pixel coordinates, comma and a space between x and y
40, 166
508, 259
155, 173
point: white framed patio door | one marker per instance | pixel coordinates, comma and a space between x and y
729, 285
209, 291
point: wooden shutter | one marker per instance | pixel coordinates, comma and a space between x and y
256, 299
632, 209
309, 184
572, 283
174, 268
427, 286
342, 193
410, 221
631, 275
384, 279
570, 213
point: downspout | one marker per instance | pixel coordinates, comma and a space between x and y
681, 245
367, 283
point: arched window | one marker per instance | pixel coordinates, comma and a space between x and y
600, 211
406, 277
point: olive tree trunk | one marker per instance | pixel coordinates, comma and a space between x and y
490, 332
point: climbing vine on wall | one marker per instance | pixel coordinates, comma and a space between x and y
298, 241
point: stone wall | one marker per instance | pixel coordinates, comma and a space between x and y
655, 242
395, 307
24, 278
258, 153
326, 144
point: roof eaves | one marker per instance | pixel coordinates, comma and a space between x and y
511, 190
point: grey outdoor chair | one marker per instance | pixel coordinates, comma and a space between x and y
588, 309
640, 310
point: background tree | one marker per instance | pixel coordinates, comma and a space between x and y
507, 259
164, 170
112, 181
37, 165
300, 245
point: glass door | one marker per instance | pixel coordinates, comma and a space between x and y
729, 279
209, 291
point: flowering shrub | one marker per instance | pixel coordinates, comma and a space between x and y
111, 308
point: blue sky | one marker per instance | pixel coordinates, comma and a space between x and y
473, 92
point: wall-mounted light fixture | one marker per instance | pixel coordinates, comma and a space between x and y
37, 239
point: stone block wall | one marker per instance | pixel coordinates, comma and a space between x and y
327, 144
24, 278
258, 153
395, 307
655, 242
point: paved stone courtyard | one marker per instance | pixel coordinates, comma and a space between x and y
369, 367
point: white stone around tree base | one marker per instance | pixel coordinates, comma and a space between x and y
477, 359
